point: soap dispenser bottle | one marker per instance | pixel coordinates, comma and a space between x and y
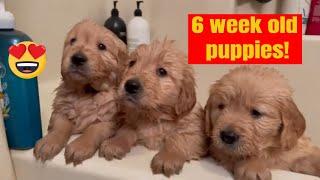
19, 98
116, 24
138, 30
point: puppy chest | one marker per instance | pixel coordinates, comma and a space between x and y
84, 112
152, 135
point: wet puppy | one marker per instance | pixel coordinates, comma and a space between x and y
158, 98
85, 100
255, 126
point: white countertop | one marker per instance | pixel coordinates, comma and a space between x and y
136, 165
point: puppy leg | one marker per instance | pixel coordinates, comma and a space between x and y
253, 169
59, 133
177, 149
119, 145
309, 164
87, 144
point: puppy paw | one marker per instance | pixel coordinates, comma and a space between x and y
307, 165
113, 148
152, 143
78, 151
167, 163
48, 147
252, 171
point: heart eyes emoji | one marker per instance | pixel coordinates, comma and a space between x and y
35, 50
17, 50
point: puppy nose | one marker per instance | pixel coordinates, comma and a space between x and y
229, 137
78, 59
133, 86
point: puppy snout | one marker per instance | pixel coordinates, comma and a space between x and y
133, 86
229, 137
79, 59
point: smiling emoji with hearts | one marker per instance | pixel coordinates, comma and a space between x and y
27, 59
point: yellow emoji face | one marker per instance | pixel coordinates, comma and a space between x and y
27, 59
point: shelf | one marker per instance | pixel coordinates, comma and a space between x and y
311, 38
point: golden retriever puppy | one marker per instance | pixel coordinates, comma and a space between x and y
157, 95
255, 126
85, 101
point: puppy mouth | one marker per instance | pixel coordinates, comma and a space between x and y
77, 75
27, 67
238, 150
77, 71
131, 99
231, 147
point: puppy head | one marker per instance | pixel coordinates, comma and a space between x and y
158, 78
250, 110
92, 54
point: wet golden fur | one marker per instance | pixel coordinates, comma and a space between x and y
272, 140
85, 101
165, 116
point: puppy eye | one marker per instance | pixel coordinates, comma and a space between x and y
101, 47
161, 72
72, 41
255, 113
221, 106
132, 63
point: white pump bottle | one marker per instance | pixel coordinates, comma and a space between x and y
138, 30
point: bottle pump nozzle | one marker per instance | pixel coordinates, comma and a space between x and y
2, 9
115, 11
138, 11
6, 18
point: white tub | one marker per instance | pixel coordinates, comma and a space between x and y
136, 165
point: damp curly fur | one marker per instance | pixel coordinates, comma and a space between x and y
85, 101
165, 116
272, 140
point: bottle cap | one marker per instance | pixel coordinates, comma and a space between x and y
6, 17
138, 11
115, 11
263, 1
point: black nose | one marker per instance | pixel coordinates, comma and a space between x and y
229, 137
133, 86
78, 59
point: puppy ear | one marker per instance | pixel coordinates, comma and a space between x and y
120, 48
293, 126
122, 53
207, 116
187, 97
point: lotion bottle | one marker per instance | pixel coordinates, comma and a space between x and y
138, 30
116, 24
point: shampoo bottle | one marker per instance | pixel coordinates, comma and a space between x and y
138, 30
19, 97
305, 10
116, 24
313, 27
